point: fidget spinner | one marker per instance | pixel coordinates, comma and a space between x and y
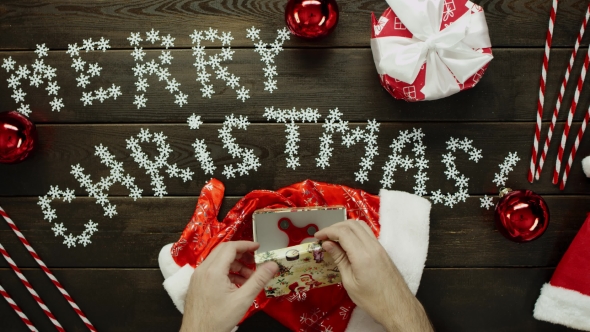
296, 234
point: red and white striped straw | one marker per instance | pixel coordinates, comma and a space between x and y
572, 155
17, 309
46, 270
570, 117
561, 92
541, 99
25, 282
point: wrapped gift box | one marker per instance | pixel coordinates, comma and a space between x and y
431, 49
305, 265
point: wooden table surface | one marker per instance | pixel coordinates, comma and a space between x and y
475, 280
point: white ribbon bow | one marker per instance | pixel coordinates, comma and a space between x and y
448, 53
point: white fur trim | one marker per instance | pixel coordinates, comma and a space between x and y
563, 306
405, 225
586, 166
167, 264
177, 286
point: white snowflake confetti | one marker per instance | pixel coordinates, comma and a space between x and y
214, 63
168, 41
24, 109
134, 39
56, 104
152, 67
395, 160
268, 52
8, 64
289, 117
160, 161
249, 160
140, 101
452, 173
101, 94
486, 202
153, 36
41, 50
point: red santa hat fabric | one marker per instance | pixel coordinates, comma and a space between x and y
566, 298
399, 219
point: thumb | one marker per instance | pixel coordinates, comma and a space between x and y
259, 279
339, 256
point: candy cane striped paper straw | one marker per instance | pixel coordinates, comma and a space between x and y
572, 155
541, 99
570, 117
17, 309
561, 91
25, 282
46, 269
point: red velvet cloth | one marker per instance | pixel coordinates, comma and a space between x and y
327, 308
572, 270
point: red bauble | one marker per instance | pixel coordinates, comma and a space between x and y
18, 137
311, 18
521, 215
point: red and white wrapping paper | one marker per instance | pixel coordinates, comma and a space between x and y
430, 49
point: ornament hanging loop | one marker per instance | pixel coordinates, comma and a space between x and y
504, 191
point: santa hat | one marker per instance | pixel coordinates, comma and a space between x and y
401, 218
586, 166
566, 298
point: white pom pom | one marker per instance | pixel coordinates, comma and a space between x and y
586, 166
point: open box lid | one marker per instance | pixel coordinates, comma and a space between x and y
271, 235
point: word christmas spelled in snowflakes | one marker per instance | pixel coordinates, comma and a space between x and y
212, 70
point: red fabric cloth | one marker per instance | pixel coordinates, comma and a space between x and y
572, 270
326, 308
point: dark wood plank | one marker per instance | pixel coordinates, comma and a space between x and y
57, 23
64, 145
484, 299
462, 237
321, 78
455, 299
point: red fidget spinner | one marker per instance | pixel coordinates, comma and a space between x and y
296, 234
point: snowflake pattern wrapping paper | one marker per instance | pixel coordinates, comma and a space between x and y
426, 57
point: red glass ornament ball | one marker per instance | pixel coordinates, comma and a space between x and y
18, 137
311, 18
522, 215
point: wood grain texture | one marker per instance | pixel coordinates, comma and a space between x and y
322, 78
134, 300
64, 145
57, 23
464, 236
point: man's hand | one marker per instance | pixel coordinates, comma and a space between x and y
214, 302
371, 279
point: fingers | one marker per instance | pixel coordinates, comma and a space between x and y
241, 269
346, 233
367, 229
339, 256
227, 252
258, 280
237, 279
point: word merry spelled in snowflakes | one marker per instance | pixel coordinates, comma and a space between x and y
206, 65
158, 167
